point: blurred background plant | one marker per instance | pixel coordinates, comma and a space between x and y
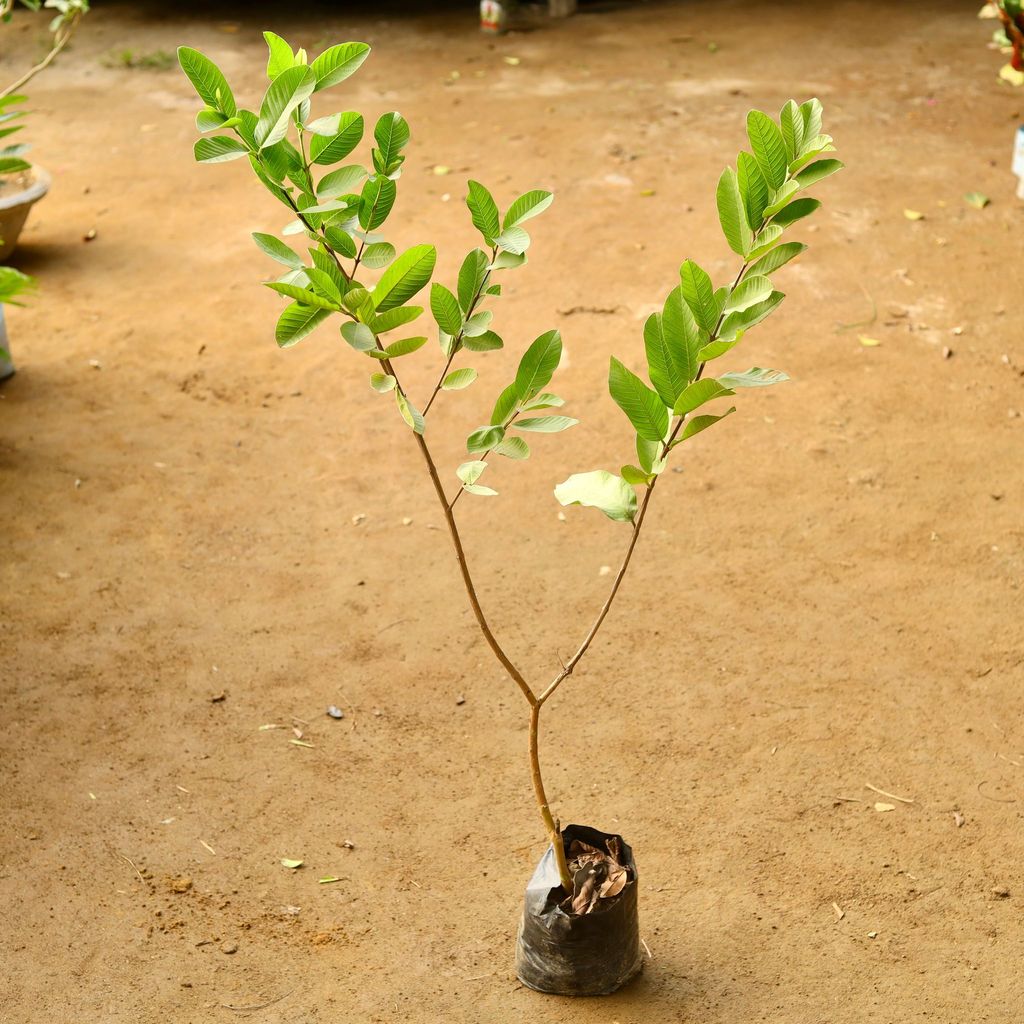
1009, 37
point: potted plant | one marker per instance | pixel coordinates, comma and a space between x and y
579, 929
22, 184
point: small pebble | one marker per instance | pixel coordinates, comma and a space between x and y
229, 947
335, 712
1001, 892
460, 700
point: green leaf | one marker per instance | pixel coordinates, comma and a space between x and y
459, 379
699, 294
335, 64
647, 452
478, 323
404, 347
717, 348
486, 342
470, 472
512, 448
545, 400
792, 123
743, 320
208, 81
602, 490
780, 197
207, 120
514, 240
752, 289
285, 93
645, 409
667, 363
769, 148
506, 404
484, 212
682, 333
486, 492
699, 392
777, 257
506, 260
753, 188
378, 255
405, 277
484, 438
526, 206
409, 412
301, 295
392, 135
755, 377
281, 56
359, 336
699, 423
445, 308
394, 318
340, 182
796, 210
634, 475
218, 149
538, 365
296, 322
818, 170
810, 111
328, 273
472, 275
732, 213
382, 382
329, 150
288, 863
545, 424
766, 239
378, 197
341, 242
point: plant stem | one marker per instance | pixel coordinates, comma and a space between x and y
554, 831
61, 37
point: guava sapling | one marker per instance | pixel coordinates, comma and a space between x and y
579, 931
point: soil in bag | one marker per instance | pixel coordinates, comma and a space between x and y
587, 942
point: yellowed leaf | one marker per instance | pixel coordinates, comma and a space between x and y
913, 214
885, 807
869, 342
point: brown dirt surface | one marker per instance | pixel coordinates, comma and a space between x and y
827, 595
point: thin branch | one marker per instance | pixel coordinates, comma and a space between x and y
61, 37
467, 578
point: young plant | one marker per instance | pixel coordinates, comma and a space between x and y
350, 273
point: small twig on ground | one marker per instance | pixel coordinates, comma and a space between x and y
202, 842
1009, 760
258, 1006
847, 799
840, 913
650, 956
131, 864
891, 796
600, 310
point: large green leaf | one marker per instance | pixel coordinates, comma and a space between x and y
301, 295
644, 407
484, 212
538, 365
667, 360
545, 424
602, 490
472, 274
284, 94
378, 198
753, 188
208, 81
324, 149
409, 412
698, 393
699, 423
732, 213
792, 123
445, 308
484, 438
296, 321
699, 293
744, 319
777, 257
405, 277
392, 135
682, 333
340, 182
796, 210
752, 289
769, 148
505, 406
818, 170
280, 58
526, 206
335, 64
217, 149
394, 318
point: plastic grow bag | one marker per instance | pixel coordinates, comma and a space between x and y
569, 954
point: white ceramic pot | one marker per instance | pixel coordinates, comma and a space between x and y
14, 209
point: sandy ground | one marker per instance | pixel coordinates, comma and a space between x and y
828, 595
